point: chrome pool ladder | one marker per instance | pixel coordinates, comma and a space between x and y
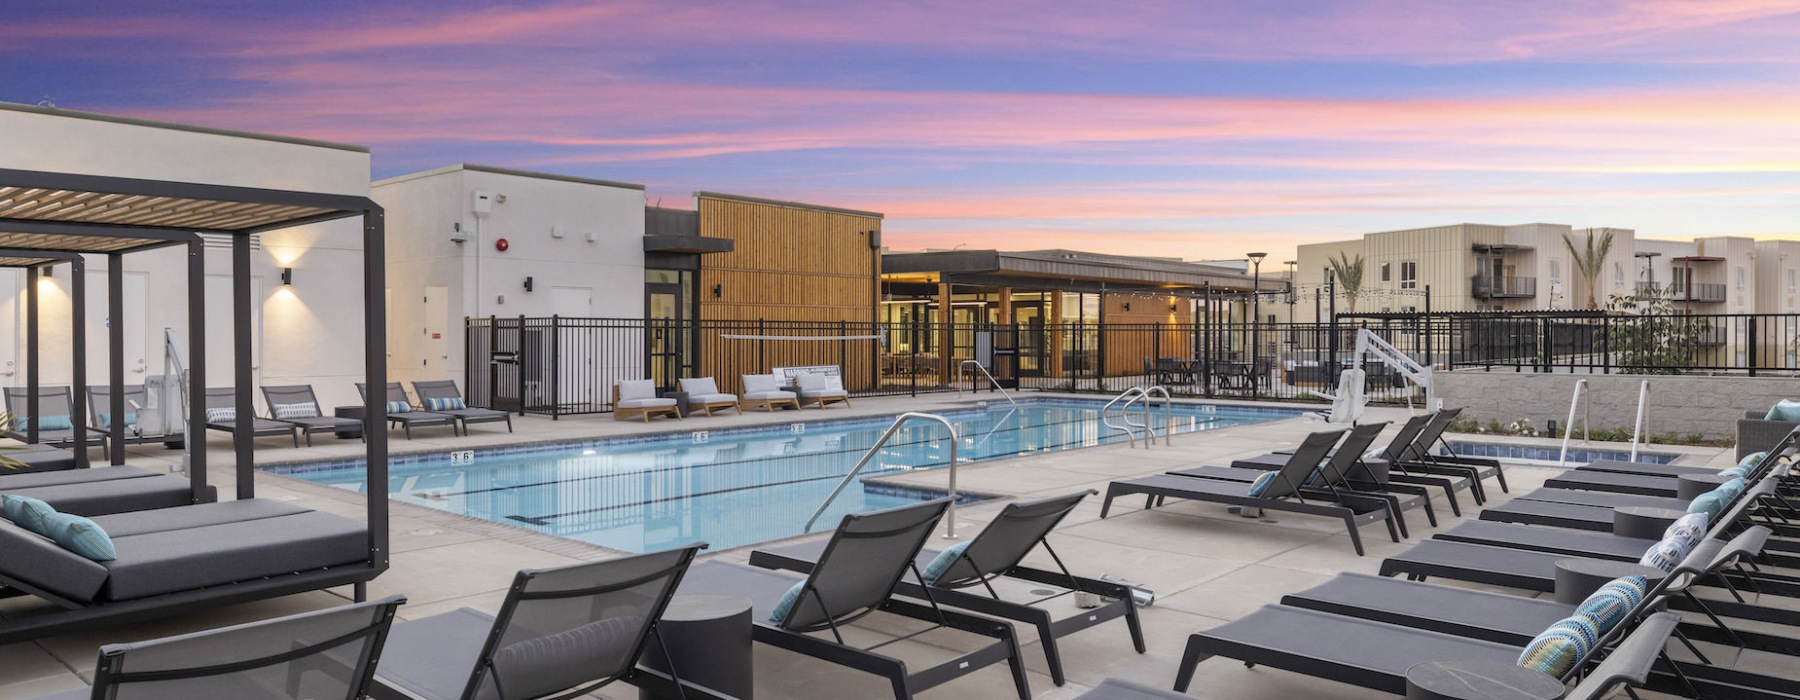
1581, 389
949, 514
1133, 396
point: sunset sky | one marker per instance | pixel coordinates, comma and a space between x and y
1158, 127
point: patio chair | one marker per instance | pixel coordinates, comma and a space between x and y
1272, 492
855, 576
1374, 474
55, 429
821, 389
99, 402
297, 405
703, 393
401, 411
325, 654
634, 398
103, 490
561, 632
1421, 456
442, 396
765, 390
996, 553
221, 415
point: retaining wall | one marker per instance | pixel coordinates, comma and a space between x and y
1677, 404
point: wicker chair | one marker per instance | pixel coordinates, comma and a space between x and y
1757, 435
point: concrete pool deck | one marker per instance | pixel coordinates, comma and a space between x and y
1206, 566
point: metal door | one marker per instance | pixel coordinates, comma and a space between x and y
665, 334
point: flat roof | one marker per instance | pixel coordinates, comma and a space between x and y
1698, 258
1071, 265
134, 121
505, 171
796, 205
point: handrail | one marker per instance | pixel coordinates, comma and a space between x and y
1581, 385
990, 378
1642, 418
1168, 414
949, 515
1130, 434
990, 433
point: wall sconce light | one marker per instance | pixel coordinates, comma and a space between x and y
287, 276
1127, 306
718, 291
1174, 306
528, 284
48, 269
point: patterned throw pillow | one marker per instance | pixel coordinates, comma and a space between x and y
941, 563
27, 512
1633, 588
450, 404
1690, 528
1609, 605
394, 407
1665, 554
81, 536
305, 409
1558, 648
1262, 483
221, 415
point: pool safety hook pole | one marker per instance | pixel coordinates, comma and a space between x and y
875, 449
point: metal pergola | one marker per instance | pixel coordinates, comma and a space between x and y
48, 218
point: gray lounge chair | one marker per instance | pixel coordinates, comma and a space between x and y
104, 490
561, 632
326, 654
996, 552
221, 415
1380, 472
412, 416
1282, 493
854, 577
297, 405
55, 405
446, 390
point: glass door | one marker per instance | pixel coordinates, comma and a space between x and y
1030, 319
666, 332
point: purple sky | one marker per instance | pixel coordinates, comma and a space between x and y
1162, 127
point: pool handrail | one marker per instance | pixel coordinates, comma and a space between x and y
1581, 386
990, 378
1643, 418
1130, 434
1168, 414
949, 514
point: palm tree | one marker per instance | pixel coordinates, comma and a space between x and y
1589, 262
1349, 276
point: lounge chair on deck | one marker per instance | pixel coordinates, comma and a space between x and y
55, 429
821, 389
221, 415
703, 394
297, 405
1332, 477
173, 560
1421, 457
855, 576
994, 554
104, 490
322, 654
561, 632
765, 390
442, 396
1380, 471
1271, 493
401, 411
637, 398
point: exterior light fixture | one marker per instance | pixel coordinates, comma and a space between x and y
528, 284
48, 269
1127, 306
718, 291
1173, 306
287, 276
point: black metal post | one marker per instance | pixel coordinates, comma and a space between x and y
1750, 349
518, 369
1426, 324
243, 440
31, 355
78, 414
1207, 336
196, 424
375, 375
115, 341
556, 367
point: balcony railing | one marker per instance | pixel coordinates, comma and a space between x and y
1697, 292
1484, 287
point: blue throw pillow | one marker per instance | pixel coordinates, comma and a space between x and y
786, 603
1632, 588
451, 404
106, 420
1555, 651
1784, 410
394, 407
1752, 459
56, 423
81, 536
1711, 503
27, 512
944, 559
1262, 483
1607, 607
1737, 471
1732, 489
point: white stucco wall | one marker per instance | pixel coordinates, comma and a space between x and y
308, 333
601, 250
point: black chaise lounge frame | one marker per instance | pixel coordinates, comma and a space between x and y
1284, 494
226, 397
74, 214
277, 396
446, 389
996, 553
396, 394
856, 575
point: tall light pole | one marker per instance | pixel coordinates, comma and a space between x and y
1255, 305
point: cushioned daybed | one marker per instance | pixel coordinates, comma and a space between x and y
103, 490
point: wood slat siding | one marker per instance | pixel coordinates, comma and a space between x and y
1148, 330
790, 263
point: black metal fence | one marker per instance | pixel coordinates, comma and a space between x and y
563, 366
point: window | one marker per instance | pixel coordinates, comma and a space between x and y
1740, 277
1409, 309
1618, 274
1386, 274
1409, 275
1792, 282
1555, 270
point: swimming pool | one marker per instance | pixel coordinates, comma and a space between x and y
732, 487
1541, 455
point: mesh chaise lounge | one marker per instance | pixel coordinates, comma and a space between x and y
442, 396
855, 576
1281, 491
561, 632
995, 553
297, 405
1379, 472
221, 415
401, 411
326, 654
104, 490
55, 428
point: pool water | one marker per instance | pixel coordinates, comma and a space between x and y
1534, 454
733, 487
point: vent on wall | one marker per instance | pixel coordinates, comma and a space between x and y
223, 241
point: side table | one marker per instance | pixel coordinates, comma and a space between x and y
1643, 522
354, 412
681, 401
1576, 579
1478, 680
1690, 486
708, 636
